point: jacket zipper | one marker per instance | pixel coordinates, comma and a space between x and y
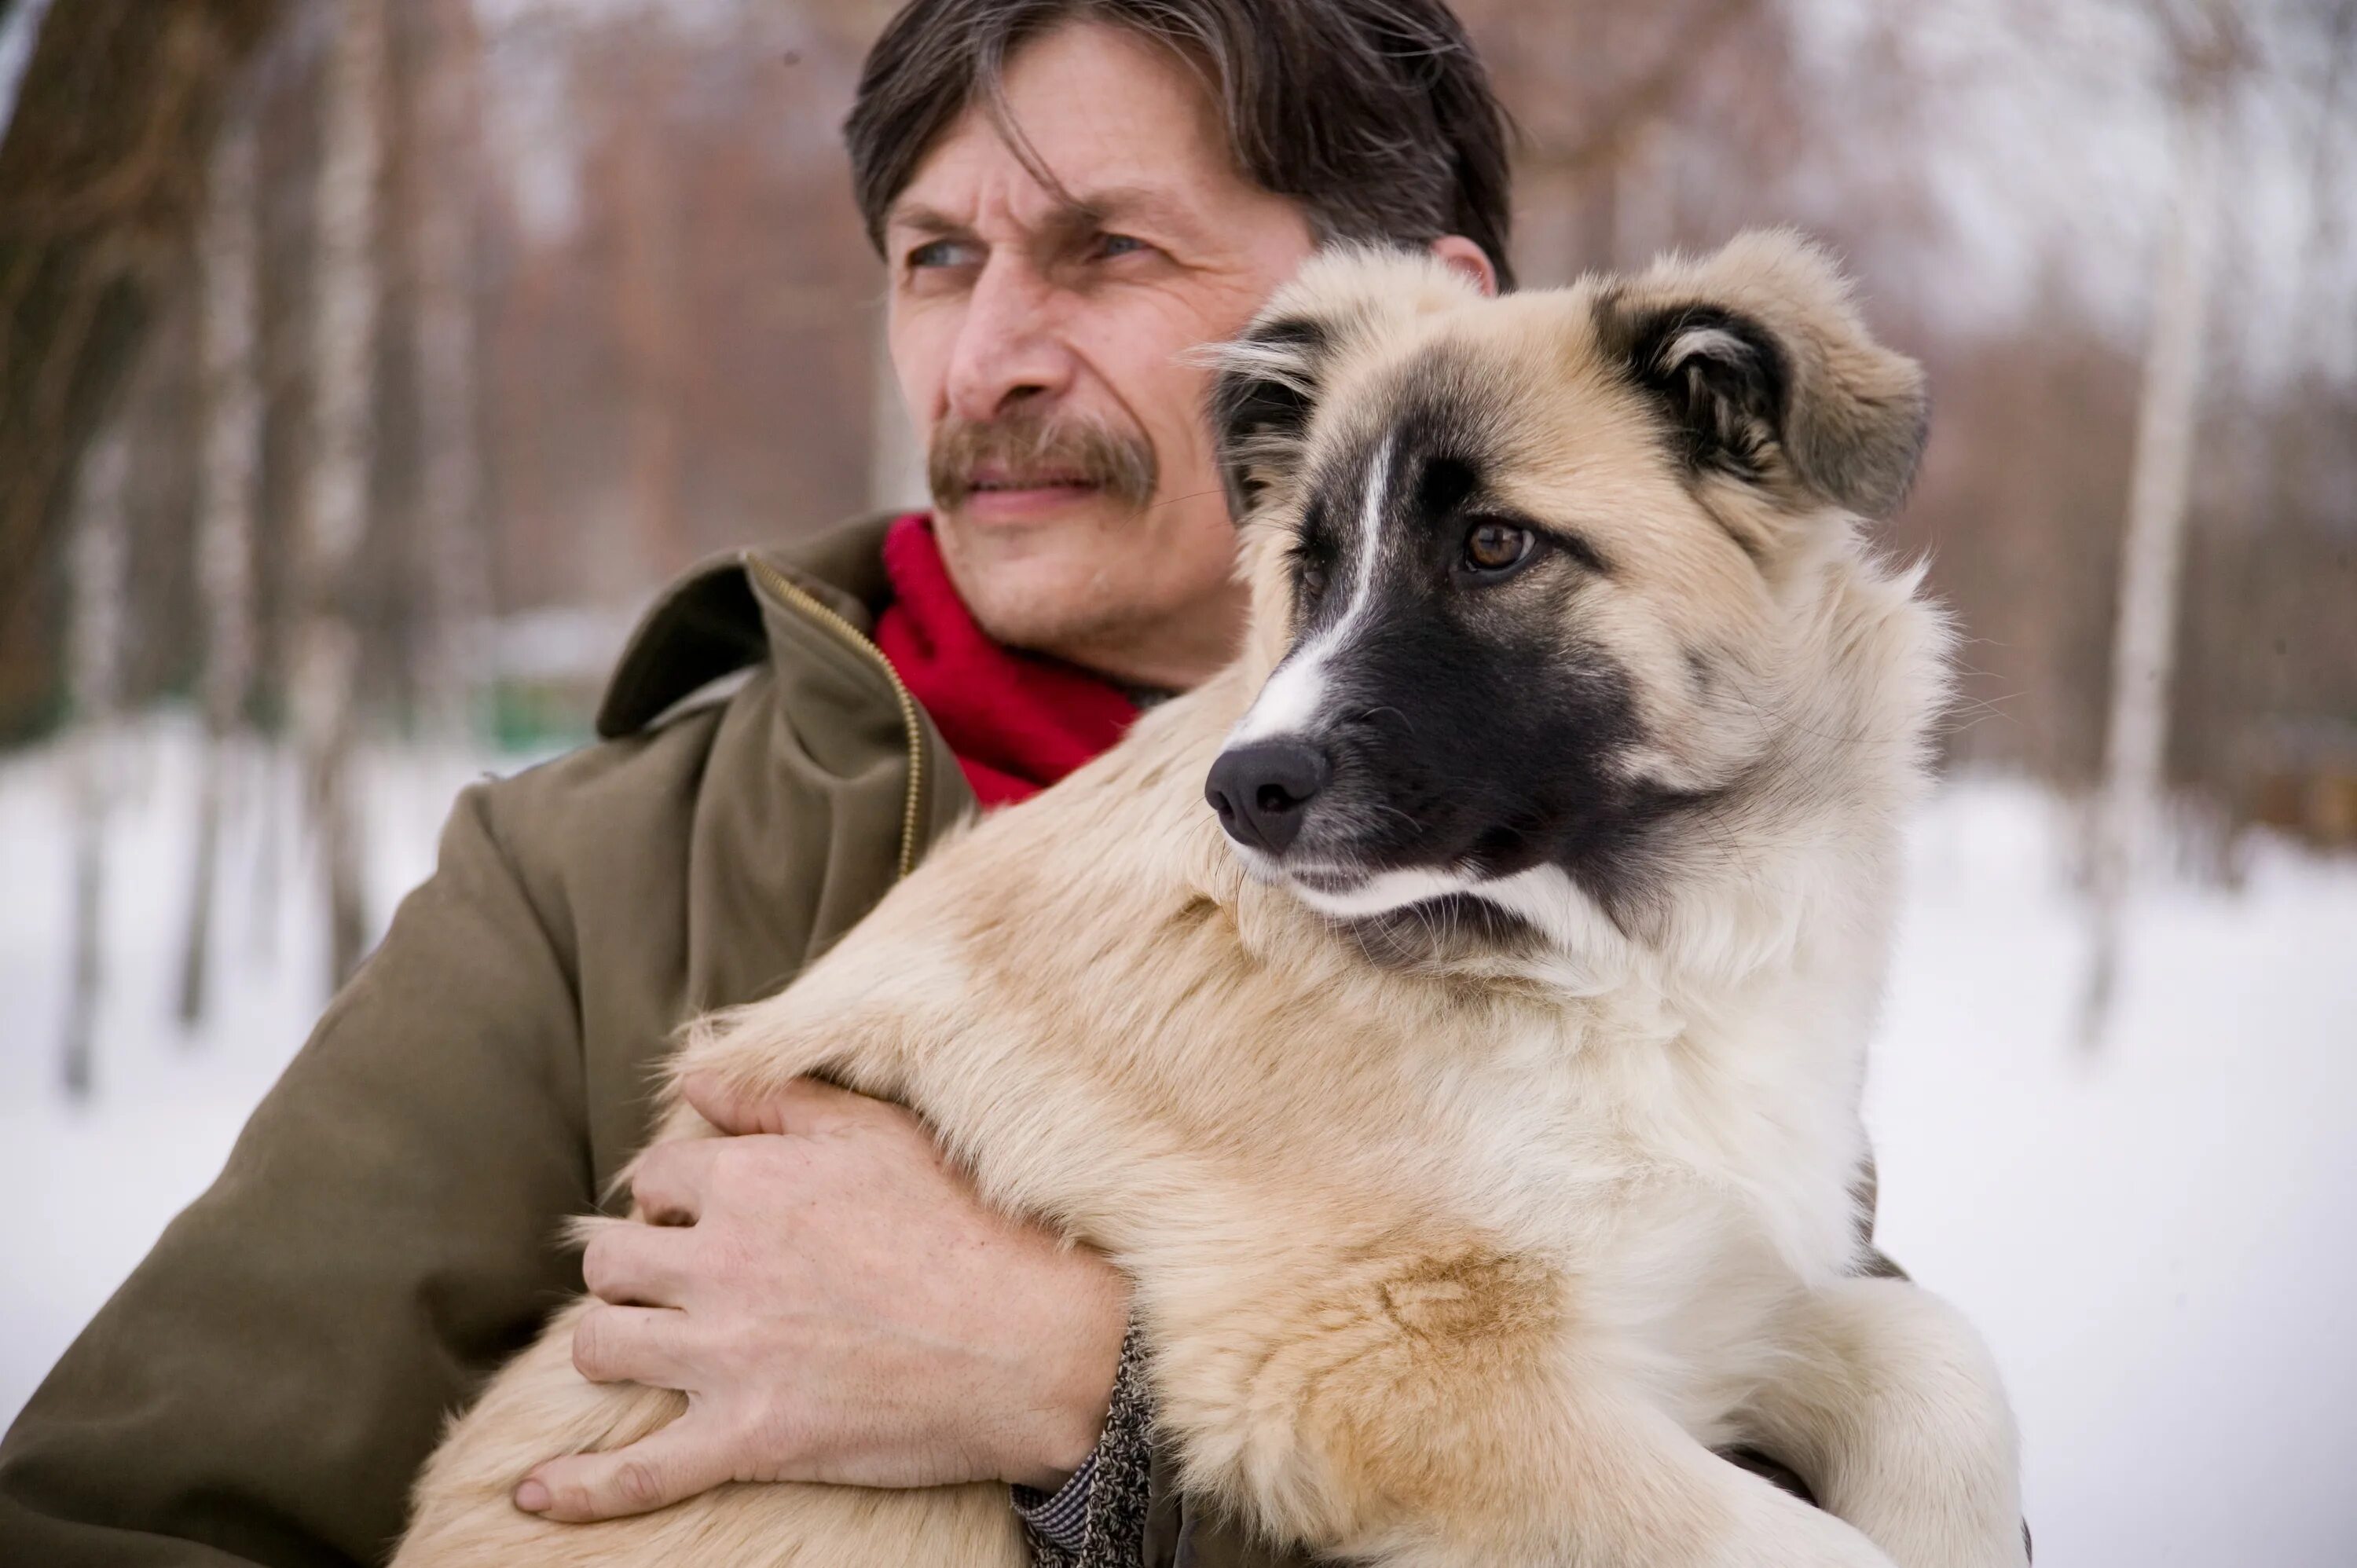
801, 599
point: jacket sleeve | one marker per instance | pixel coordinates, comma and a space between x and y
265, 1384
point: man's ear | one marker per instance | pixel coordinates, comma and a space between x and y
1266, 384
1461, 254
1760, 362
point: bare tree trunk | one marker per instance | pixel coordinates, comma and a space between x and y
100, 546
449, 133
1548, 244
2129, 807
336, 493
1642, 202
647, 306
109, 128
228, 257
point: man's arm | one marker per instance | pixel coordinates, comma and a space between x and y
267, 1383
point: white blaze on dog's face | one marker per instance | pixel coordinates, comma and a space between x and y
1542, 570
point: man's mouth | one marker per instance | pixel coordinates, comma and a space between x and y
1006, 483
1000, 495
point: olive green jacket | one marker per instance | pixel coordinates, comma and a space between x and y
265, 1384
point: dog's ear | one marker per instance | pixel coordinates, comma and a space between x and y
1764, 372
1266, 383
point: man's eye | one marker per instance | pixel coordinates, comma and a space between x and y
1119, 245
937, 253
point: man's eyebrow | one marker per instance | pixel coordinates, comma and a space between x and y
1112, 203
1079, 213
924, 220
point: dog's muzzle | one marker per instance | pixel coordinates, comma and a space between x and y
1262, 792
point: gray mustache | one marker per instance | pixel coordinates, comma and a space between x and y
1119, 463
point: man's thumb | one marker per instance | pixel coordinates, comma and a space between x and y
656, 1471
805, 1106
718, 1102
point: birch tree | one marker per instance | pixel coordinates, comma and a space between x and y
335, 499
448, 127
227, 258
101, 545
2131, 796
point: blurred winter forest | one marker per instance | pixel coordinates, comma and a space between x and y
365, 367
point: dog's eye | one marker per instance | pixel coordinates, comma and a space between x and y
1312, 576
1493, 549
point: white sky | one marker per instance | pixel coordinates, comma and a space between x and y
2045, 137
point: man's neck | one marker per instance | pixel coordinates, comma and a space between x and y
1176, 654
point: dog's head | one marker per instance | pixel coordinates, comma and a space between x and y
1560, 592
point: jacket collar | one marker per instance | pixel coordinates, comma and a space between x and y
708, 624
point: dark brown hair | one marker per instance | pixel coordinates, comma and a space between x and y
1374, 114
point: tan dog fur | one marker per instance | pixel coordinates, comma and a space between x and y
1468, 1260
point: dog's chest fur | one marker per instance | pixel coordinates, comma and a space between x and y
1191, 1070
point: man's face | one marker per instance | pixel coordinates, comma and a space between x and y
1038, 337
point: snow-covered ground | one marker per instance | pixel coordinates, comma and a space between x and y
2159, 1242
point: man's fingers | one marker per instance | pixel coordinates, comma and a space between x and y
629, 1264
669, 1181
632, 1345
656, 1471
805, 1106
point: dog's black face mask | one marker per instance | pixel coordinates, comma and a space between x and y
1440, 737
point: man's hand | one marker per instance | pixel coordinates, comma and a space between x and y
838, 1307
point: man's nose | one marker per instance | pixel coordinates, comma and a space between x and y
1262, 792
1010, 345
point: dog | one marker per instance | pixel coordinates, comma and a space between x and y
1452, 1017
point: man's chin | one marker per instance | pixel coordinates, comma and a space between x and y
1099, 583
1050, 600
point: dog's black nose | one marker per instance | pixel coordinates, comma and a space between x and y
1262, 792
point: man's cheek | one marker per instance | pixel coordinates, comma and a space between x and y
1171, 405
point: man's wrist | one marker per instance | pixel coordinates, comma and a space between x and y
1061, 1448
1080, 1391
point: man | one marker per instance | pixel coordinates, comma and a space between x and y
1069, 193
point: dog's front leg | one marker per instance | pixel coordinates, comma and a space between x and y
1449, 1409
1891, 1408
859, 1016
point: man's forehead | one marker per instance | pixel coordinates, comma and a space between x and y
1116, 124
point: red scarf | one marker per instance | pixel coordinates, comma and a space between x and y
1016, 722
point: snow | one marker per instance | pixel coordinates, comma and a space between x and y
95, 1184
2156, 1239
